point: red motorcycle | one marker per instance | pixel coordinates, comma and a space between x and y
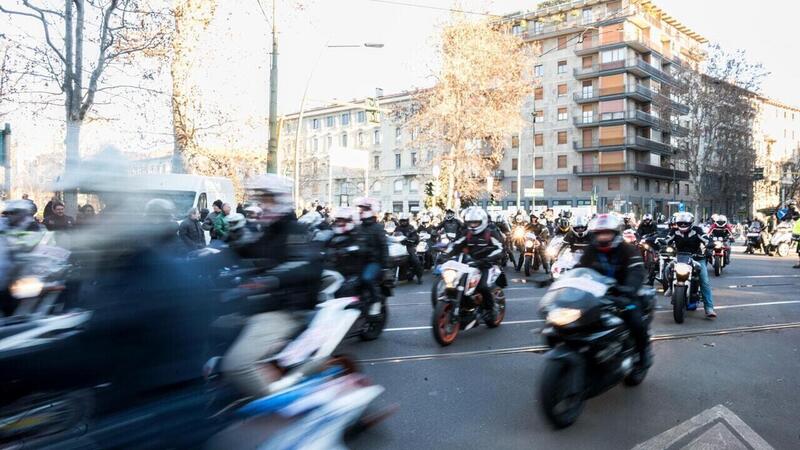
719, 256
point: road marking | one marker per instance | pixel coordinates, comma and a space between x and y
510, 322
769, 276
719, 427
748, 305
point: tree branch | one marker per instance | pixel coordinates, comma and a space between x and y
42, 19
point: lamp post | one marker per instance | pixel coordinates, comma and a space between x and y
296, 181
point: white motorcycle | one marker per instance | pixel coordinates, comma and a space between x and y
566, 261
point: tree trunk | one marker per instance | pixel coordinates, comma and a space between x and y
72, 144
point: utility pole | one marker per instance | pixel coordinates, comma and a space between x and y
5, 148
272, 149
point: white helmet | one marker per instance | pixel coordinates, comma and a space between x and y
235, 221
721, 220
425, 219
581, 226
403, 216
647, 218
279, 191
475, 219
368, 207
684, 220
344, 220
252, 212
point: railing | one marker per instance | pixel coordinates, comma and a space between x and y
598, 144
629, 89
630, 167
650, 144
630, 116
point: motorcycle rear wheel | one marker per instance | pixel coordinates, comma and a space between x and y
560, 406
679, 303
445, 329
783, 249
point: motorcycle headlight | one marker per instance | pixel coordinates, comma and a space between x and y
528, 244
682, 271
445, 241
450, 278
670, 250
518, 233
718, 244
563, 316
26, 288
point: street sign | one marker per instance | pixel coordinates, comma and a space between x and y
371, 107
533, 192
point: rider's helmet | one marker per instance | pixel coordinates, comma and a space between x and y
344, 220
605, 232
581, 226
626, 218
791, 204
403, 219
534, 218
368, 208
273, 194
425, 220
449, 214
647, 219
629, 236
684, 221
253, 212
18, 212
159, 210
476, 219
563, 224
721, 221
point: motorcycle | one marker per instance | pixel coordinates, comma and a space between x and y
531, 255
459, 306
719, 255
781, 241
423, 250
666, 255
566, 261
373, 315
753, 239
685, 285
553, 249
648, 246
591, 348
398, 254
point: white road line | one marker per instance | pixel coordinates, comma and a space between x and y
769, 276
747, 305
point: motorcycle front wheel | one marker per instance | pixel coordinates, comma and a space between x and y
783, 249
717, 266
375, 325
527, 266
679, 303
561, 402
445, 326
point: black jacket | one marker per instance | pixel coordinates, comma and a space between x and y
451, 226
374, 237
645, 229
690, 242
623, 263
481, 246
539, 230
59, 223
191, 234
576, 242
344, 254
410, 233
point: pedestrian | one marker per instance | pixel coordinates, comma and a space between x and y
220, 224
59, 221
85, 215
208, 222
26, 198
48, 208
191, 231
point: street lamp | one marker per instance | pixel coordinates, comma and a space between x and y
296, 187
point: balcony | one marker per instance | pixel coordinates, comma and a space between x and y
635, 91
634, 117
638, 143
636, 66
594, 44
630, 168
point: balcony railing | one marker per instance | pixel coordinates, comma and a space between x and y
636, 91
654, 146
632, 168
636, 66
630, 142
635, 117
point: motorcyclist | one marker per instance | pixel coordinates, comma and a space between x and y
628, 221
451, 224
343, 252
18, 215
612, 257
796, 237
411, 239
764, 234
483, 248
562, 226
501, 222
290, 275
542, 235
720, 228
579, 237
689, 238
425, 225
373, 238
646, 226
792, 212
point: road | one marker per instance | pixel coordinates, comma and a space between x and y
729, 383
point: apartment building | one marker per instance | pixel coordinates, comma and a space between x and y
777, 145
395, 174
606, 107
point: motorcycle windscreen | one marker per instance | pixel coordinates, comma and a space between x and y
578, 286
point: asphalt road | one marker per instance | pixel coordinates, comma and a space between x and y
714, 384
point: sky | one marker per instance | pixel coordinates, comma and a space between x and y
235, 66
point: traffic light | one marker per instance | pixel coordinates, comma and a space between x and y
429, 188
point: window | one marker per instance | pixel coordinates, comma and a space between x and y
413, 186
376, 137
646, 185
397, 207
586, 16
538, 71
586, 184
516, 29
329, 142
361, 116
562, 90
587, 89
315, 144
587, 114
344, 139
538, 93
612, 110
538, 162
539, 116
346, 119
514, 164
562, 185
587, 62
658, 187
669, 187
202, 201
397, 133
398, 185
562, 138
562, 42
538, 184
613, 7
513, 187
514, 141
414, 159
636, 184
562, 113
612, 135
397, 160
685, 189
376, 162
376, 186
562, 67
538, 27
330, 122
613, 183
315, 124
562, 161
538, 140
609, 56
360, 139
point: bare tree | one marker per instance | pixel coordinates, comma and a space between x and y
718, 151
474, 105
114, 31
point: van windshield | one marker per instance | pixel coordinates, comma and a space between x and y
183, 200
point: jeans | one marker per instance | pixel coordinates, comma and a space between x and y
416, 266
705, 284
369, 277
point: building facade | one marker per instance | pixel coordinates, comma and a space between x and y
777, 145
606, 107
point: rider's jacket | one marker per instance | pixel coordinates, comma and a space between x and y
451, 226
723, 232
480, 246
645, 228
689, 242
576, 242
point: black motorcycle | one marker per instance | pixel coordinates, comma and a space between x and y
753, 240
649, 247
591, 348
685, 280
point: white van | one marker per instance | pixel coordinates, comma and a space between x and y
187, 191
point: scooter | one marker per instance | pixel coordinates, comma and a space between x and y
423, 250
781, 241
753, 239
372, 315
